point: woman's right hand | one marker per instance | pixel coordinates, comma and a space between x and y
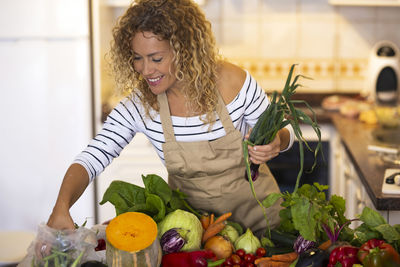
61, 219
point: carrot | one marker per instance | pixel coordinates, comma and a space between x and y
262, 259
212, 217
212, 230
287, 257
205, 220
325, 245
271, 263
223, 217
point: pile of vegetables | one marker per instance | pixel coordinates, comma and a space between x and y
313, 230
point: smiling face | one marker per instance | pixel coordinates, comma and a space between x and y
153, 59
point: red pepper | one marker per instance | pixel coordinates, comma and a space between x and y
345, 255
376, 252
188, 259
101, 244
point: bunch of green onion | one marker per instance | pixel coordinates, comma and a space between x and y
280, 113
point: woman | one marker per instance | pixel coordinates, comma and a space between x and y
194, 108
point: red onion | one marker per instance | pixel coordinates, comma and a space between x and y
254, 172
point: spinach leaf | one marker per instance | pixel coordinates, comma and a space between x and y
156, 206
371, 218
123, 195
362, 234
155, 199
177, 201
154, 184
373, 222
388, 232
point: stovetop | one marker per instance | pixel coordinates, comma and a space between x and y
390, 188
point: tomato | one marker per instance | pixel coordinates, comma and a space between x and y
235, 259
249, 257
261, 252
228, 262
240, 252
249, 264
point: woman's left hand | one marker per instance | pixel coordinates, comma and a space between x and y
262, 153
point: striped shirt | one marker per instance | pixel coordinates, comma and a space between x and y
127, 118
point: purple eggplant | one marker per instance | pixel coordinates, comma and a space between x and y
254, 172
301, 244
173, 240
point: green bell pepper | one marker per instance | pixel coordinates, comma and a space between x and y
378, 253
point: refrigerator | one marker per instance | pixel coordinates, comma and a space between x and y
46, 109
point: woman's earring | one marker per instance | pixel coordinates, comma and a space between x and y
140, 78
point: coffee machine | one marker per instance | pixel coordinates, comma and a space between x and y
383, 74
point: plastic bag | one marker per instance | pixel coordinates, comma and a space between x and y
61, 248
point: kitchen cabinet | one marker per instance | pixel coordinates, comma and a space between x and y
347, 184
392, 3
359, 174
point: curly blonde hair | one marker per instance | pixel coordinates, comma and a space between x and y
196, 59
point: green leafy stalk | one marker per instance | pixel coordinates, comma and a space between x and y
281, 112
246, 152
77, 260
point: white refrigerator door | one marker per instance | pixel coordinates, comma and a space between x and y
46, 107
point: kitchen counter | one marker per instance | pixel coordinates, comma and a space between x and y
356, 136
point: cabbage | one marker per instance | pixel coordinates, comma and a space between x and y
186, 221
248, 242
230, 232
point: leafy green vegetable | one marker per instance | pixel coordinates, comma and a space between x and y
155, 199
247, 241
375, 226
235, 225
123, 195
307, 211
230, 232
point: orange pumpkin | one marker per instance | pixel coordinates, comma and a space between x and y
132, 241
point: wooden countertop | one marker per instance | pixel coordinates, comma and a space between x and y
356, 136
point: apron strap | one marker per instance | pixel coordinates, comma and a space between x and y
223, 115
165, 117
166, 121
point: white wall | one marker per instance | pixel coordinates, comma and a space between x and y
45, 108
331, 44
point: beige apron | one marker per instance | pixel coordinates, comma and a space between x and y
211, 173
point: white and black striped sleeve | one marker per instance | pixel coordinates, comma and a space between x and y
118, 130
